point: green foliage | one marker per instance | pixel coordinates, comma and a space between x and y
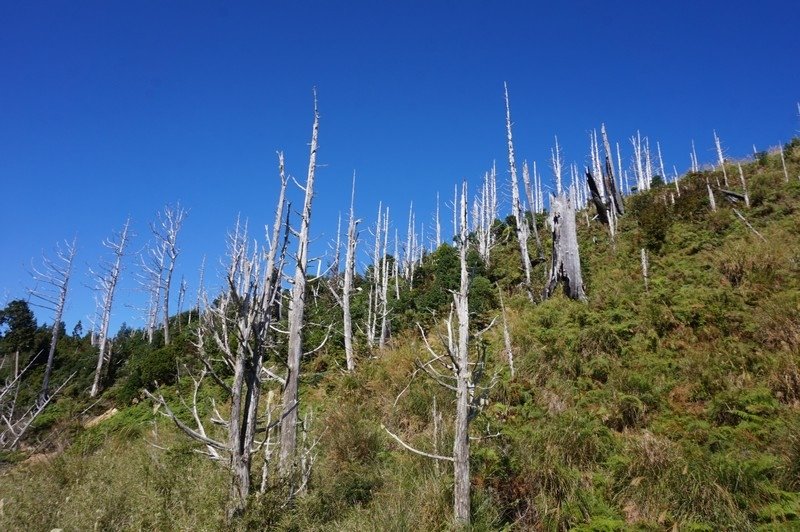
653, 217
17, 327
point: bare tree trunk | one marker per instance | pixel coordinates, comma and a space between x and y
783, 164
566, 264
711, 201
384, 285
720, 159
349, 273
526, 180
465, 374
597, 199
645, 270
152, 281
296, 314
506, 334
611, 184
167, 232
181, 296
107, 278
461, 495
641, 179
519, 217
744, 186
55, 276
555, 159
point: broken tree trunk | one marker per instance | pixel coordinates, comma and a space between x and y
597, 200
566, 263
711, 202
610, 181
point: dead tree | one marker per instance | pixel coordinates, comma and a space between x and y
555, 160
720, 159
463, 378
639, 155
182, 287
166, 232
712, 203
609, 177
506, 334
347, 285
783, 164
52, 282
238, 327
645, 270
516, 208
526, 180
287, 455
384, 289
15, 421
106, 278
744, 186
374, 303
151, 279
566, 263
485, 212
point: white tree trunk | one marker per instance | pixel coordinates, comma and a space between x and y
720, 159
347, 288
167, 232
744, 186
783, 164
519, 217
107, 280
55, 276
296, 314
461, 492
712, 203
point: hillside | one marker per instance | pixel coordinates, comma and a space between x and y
644, 408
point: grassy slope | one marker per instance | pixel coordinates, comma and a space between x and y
639, 410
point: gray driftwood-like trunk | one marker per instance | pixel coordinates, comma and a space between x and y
107, 278
566, 263
286, 458
54, 277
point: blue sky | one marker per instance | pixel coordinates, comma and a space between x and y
112, 109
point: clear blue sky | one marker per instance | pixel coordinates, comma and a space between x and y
110, 109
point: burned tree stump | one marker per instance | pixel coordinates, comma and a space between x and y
566, 264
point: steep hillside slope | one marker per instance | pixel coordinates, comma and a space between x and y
671, 405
